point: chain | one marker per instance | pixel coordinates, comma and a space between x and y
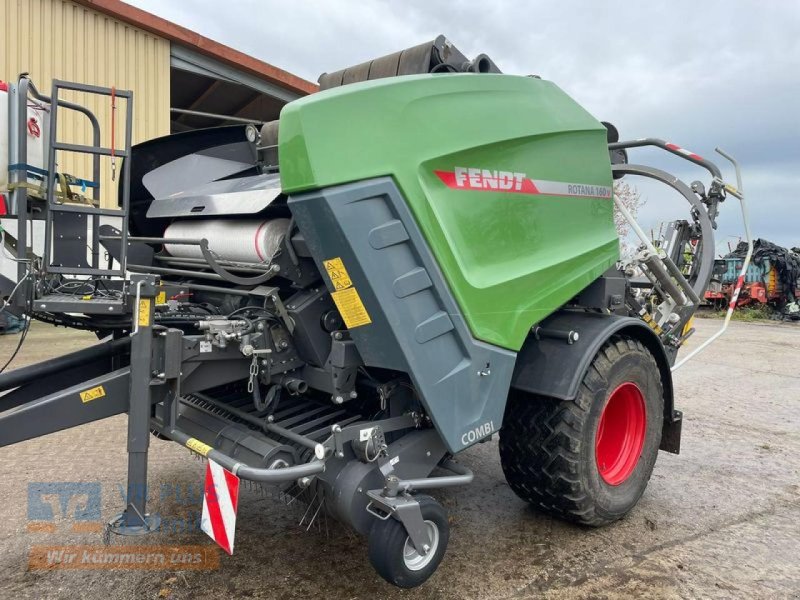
253, 374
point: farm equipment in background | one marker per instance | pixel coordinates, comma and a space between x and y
419, 256
772, 279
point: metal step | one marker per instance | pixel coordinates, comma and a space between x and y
74, 303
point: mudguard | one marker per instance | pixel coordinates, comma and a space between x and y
550, 365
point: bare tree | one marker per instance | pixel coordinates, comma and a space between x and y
633, 201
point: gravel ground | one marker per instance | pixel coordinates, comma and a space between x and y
720, 520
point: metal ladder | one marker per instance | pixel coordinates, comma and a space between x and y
67, 224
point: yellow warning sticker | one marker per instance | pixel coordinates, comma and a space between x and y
144, 312
351, 308
162, 297
198, 446
93, 394
338, 274
688, 326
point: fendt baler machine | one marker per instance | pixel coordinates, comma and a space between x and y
415, 258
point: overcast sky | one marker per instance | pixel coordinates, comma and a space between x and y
698, 73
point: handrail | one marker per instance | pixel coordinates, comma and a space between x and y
463, 476
262, 475
700, 280
739, 194
18, 155
674, 149
72, 106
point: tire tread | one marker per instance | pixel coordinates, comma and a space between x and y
540, 444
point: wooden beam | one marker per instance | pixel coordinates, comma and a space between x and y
201, 98
250, 103
250, 99
208, 91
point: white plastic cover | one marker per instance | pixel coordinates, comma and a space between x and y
247, 241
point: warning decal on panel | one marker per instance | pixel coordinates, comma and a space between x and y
144, 312
351, 308
93, 394
198, 446
338, 274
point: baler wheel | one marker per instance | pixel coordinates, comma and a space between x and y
588, 460
393, 555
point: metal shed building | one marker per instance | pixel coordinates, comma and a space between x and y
175, 74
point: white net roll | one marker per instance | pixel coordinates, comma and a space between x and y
247, 241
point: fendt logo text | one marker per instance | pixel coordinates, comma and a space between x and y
495, 180
470, 178
484, 179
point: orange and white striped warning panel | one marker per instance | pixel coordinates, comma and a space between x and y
220, 502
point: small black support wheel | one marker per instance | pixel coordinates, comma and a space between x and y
588, 460
396, 559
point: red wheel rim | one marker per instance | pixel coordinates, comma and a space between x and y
620, 434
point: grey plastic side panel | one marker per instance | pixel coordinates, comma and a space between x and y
416, 325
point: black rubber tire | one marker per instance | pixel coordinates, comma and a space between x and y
388, 538
547, 446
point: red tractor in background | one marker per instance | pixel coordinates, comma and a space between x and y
773, 279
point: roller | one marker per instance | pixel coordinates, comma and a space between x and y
246, 241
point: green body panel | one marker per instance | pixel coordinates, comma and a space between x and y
510, 256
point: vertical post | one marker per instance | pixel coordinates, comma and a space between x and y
96, 195
50, 193
18, 199
135, 520
126, 174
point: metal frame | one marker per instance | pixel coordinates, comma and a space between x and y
199, 113
681, 297
218, 268
706, 227
707, 220
29, 417
394, 500
18, 154
93, 212
672, 148
738, 193
134, 520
